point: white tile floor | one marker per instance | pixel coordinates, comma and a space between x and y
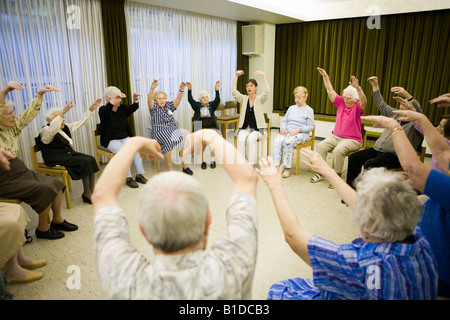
318, 208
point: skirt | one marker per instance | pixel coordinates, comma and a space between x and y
13, 221
35, 189
80, 165
168, 137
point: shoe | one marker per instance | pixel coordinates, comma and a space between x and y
51, 234
131, 183
188, 171
30, 277
203, 165
65, 226
213, 164
286, 173
316, 178
141, 179
36, 263
343, 202
330, 186
86, 199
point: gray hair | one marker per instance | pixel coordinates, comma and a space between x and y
8, 103
50, 114
111, 92
352, 90
172, 211
203, 92
387, 205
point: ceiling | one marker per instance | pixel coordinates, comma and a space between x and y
291, 11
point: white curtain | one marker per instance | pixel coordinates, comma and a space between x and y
58, 43
174, 46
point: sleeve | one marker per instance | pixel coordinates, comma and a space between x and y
284, 121
191, 100
382, 105
338, 101
48, 132
216, 101
437, 187
309, 125
77, 124
29, 114
265, 95
239, 97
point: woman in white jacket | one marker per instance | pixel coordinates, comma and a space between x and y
252, 124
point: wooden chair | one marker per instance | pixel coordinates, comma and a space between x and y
265, 137
306, 144
59, 171
18, 201
225, 119
364, 138
99, 150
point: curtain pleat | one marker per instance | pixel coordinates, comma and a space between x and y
410, 50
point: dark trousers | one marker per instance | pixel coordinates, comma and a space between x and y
369, 158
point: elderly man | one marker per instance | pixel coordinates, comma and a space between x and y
346, 136
383, 154
174, 218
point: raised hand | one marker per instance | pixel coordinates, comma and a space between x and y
239, 73
442, 100
189, 85
401, 92
322, 72
271, 175
136, 96
354, 83
382, 122
217, 86
95, 104
405, 103
68, 106
46, 89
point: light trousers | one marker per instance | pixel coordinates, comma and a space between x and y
115, 145
283, 148
339, 147
250, 138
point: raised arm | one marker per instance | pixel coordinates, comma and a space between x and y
362, 97
10, 86
240, 171
107, 188
328, 86
150, 94
295, 235
416, 170
177, 100
439, 147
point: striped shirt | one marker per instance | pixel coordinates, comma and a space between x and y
164, 127
365, 271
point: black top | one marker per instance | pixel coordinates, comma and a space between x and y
250, 120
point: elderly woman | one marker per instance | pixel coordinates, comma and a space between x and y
435, 220
115, 129
295, 129
204, 117
252, 125
56, 144
164, 128
13, 221
392, 260
346, 136
40, 191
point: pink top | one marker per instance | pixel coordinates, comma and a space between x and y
348, 120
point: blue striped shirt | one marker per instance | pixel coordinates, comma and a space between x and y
365, 271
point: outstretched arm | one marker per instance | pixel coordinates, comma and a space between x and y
328, 86
294, 234
107, 188
150, 94
361, 94
177, 100
10, 86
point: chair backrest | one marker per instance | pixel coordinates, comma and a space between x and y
364, 136
34, 150
313, 133
231, 105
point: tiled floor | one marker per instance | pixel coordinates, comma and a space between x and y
318, 208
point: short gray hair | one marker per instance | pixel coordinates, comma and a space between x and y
50, 114
202, 93
352, 90
111, 92
172, 211
8, 103
387, 205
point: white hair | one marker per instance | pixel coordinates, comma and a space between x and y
387, 205
50, 114
111, 92
172, 211
8, 103
352, 90
203, 92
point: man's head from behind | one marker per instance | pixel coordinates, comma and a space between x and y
173, 212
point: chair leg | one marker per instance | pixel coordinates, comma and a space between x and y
67, 194
159, 165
